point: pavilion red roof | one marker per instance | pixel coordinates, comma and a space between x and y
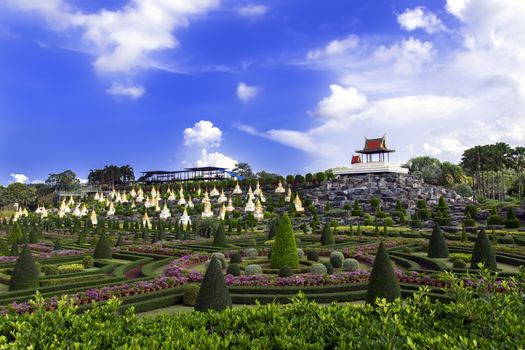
377, 145
356, 159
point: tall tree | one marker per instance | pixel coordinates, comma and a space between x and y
65, 180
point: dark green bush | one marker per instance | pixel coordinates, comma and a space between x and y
327, 236
459, 264
233, 269
191, 291
284, 251
235, 258
483, 253
312, 255
329, 267
220, 237
336, 259
472, 210
213, 294
25, 273
103, 248
285, 271
382, 282
87, 261
437, 246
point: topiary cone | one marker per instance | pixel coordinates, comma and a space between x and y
103, 248
220, 237
25, 273
437, 247
327, 236
213, 294
14, 250
284, 251
483, 253
382, 282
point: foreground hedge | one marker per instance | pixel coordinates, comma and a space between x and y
493, 321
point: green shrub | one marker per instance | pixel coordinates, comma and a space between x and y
469, 221
14, 250
233, 269
312, 255
16, 234
69, 268
213, 293
25, 273
381, 214
472, 210
70, 280
235, 258
253, 269
512, 221
318, 269
57, 245
50, 270
388, 222
272, 231
382, 282
103, 248
336, 259
285, 271
220, 257
495, 220
329, 267
350, 265
4, 249
437, 247
251, 253
88, 261
327, 236
459, 264
460, 256
220, 237
191, 291
483, 253
284, 251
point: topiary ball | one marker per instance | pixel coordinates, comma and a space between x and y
191, 291
459, 264
350, 265
318, 269
312, 255
300, 253
285, 271
253, 269
233, 269
220, 257
235, 258
329, 267
336, 259
251, 253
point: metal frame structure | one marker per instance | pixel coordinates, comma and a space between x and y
208, 173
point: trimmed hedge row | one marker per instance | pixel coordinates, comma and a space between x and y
70, 280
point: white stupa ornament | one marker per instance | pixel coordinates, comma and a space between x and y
298, 204
16, 215
153, 192
250, 193
124, 197
288, 195
133, 193
101, 197
93, 217
230, 206
185, 219
182, 200
83, 210
222, 198
171, 195
111, 210
280, 188
96, 197
156, 204
165, 213
214, 192
257, 189
190, 202
237, 189
66, 208
117, 197
250, 206
43, 213
145, 220
206, 199
207, 213
222, 212
262, 197
76, 211
147, 203
133, 205
259, 213
62, 209
199, 191
38, 210
71, 201
140, 195
24, 212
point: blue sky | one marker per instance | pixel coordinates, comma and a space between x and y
287, 86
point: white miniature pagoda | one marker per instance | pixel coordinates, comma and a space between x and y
280, 188
298, 204
153, 192
237, 189
43, 213
214, 192
182, 200
207, 212
222, 212
250, 206
257, 189
250, 193
133, 193
83, 210
190, 202
222, 198
185, 219
165, 213
76, 211
171, 195
111, 210
230, 206
93, 218
288, 195
96, 197
145, 220
259, 213
140, 195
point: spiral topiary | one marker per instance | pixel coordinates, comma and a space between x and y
336, 259
253, 269
350, 265
318, 269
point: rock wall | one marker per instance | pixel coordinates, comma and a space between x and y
387, 187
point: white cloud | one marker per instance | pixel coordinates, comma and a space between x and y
246, 92
335, 47
252, 10
420, 18
131, 91
82, 180
125, 38
217, 159
406, 55
38, 181
341, 103
203, 134
456, 7
21, 178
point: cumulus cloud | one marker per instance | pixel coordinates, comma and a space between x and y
335, 47
217, 159
246, 92
420, 18
203, 134
124, 38
252, 10
406, 56
21, 178
131, 91
342, 102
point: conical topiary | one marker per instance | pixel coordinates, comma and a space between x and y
437, 247
327, 236
58, 245
25, 273
14, 250
213, 294
120, 241
103, 248
284, 251
33, 236
16, 234
220, 237
273, 230
382, 282
483, 253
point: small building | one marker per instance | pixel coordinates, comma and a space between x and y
376, 159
